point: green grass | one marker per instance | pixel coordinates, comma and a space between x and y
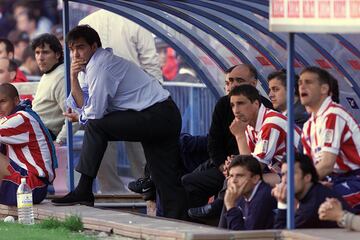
47, 229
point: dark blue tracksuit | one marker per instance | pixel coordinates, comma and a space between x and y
306, 216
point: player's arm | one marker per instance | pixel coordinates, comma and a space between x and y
326, 164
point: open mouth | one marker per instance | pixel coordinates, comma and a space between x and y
304, 95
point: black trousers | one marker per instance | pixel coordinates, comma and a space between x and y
157, 128
202, 183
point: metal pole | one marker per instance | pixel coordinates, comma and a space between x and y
68, 88
290, 133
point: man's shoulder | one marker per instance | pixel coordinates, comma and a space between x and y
266, 102
319, 193
14, 118
223, 101
264, 189
273, 117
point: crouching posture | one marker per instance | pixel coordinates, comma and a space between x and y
26, 148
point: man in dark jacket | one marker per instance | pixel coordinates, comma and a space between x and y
308, 192
248, 201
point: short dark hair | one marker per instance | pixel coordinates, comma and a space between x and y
247, 161
9, 47
323, 76
306, 165
246, 90
335, 93
83, 31
28, 53
54, 44
12, 66
281, 76
9, 90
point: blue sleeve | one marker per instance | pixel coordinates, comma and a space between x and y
280, 219
234, 219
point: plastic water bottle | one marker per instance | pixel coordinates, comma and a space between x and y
25, 203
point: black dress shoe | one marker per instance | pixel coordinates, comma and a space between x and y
207, 211
72, 198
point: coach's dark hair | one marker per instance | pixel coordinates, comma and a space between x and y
248, 162
306, 165
83, 31
52, 41
246, 90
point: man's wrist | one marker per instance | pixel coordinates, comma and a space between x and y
59, 141
240, 136
281, 205
341, 222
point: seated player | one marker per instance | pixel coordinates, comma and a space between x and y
26, 149
331, 137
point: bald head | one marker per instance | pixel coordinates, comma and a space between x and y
8, 90
9, 99
239, 75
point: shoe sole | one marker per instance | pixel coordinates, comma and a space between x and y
89, 204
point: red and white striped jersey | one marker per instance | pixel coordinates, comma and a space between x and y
27, 144
267, 141
333, 130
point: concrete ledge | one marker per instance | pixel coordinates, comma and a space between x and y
143, 227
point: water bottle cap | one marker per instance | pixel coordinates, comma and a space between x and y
23, 180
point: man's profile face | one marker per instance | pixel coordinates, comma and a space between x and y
239, 175
7, 105
299, 179
6, 76
81, 50
243, 108
277, 94
311, 90
45, 57
240, 75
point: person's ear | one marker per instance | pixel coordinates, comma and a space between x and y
255, 179
12, 75
307, 178
11, 55
94, 46
325, 89
253, 82
257, 103
58, 55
